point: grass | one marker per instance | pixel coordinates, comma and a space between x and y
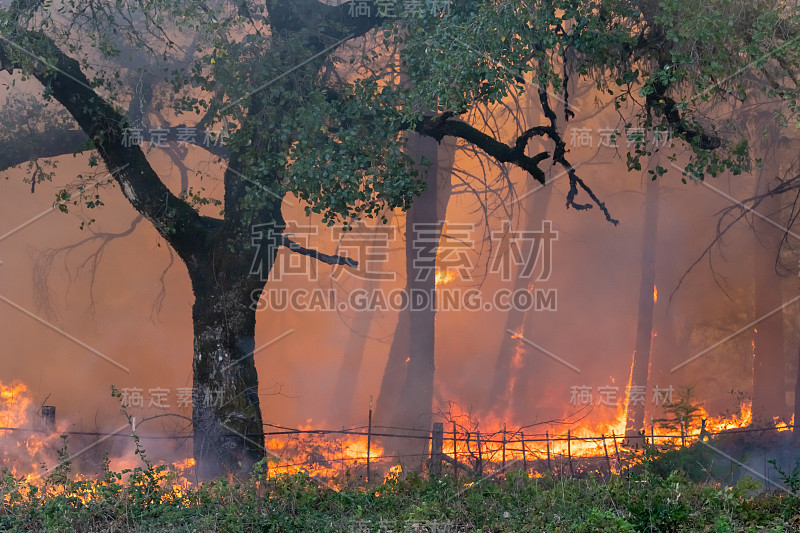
664, 493
144, 500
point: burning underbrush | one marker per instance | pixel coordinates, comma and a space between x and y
321, 454
42, 466
643, 500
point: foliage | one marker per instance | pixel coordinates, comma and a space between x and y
683, 414
693, 461
790, 479
299, 503
150, 498
321, 119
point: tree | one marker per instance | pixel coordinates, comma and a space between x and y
640, 366
301, 122
534, 208
407, 391
769, 357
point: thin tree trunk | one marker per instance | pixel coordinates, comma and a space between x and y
342, 399
795, 430
394, 375
769, 384
504, 380
644, 328
512, 382
407, 385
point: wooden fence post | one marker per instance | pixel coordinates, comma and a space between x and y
480, 455
369, 435
569, 454
652, 432
437, 441
49, 417
547, 440
504, 447
683, 434
608, 461
455, 452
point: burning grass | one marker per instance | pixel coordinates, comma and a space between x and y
505, 481
147, 500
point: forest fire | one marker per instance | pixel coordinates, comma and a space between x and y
327, 456
505, 260
21, 450
13, 406
319, 455
30, 454
444, 276
494, 442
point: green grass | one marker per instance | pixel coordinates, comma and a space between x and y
144, 501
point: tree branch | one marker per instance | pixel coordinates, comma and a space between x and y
442, 126
332, 22
658, 101
54, 143
283, 240
49, 143
559, 156
175, 220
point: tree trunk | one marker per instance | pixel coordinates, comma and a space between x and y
671, 329
796, 422
423, 232
504, 379
407, 385
342, 399
226, 412
644, 328
769, 384
394, 375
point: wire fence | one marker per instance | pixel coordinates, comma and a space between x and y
366, 453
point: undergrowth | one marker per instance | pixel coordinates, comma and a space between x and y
145, 499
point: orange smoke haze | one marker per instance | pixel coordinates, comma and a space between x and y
82, 312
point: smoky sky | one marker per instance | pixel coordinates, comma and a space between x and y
80, 304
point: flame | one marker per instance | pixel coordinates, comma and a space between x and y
444, 276
14, 403
655, 293
720, 423
330, 457
320, 455
22, 452
183, 465
393, 473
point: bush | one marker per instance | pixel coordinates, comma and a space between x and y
143, 499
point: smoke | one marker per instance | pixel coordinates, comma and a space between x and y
109, 323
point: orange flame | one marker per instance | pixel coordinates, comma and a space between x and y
444, 276
328, 458
14, 403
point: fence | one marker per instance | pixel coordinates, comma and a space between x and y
359, 453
